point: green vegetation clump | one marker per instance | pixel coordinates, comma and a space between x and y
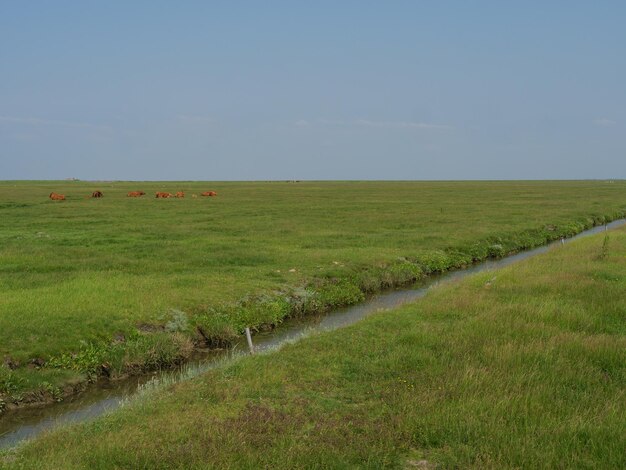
176, 321
10, 382
496, 251
605, 247
523, 368
140, 352
77, 274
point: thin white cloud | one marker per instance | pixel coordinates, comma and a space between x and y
332, 122
31, 121
378, 124
197, 119
20, 137
402, 125
604, 122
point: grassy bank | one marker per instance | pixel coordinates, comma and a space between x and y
523, 367
116, 285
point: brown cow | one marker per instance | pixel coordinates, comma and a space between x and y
209, 193
135, 194
97, 194
180, 194
163, 195
57, 197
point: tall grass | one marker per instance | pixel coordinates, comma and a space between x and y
604, 253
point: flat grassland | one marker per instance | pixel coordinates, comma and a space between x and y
523, 367
131, 283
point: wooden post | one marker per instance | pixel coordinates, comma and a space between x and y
249, 338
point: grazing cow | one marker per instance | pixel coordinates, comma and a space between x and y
57, 197
209, 193
180, 194
163, 195
97, 194
135, 194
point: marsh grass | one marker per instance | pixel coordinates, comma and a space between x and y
525, 368
78, 274
604, 253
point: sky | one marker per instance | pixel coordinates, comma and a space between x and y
250, 90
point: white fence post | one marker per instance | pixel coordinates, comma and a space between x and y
249, 338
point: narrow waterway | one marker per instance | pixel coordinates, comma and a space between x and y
19, 425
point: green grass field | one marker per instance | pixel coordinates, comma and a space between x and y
523, 367
133, 283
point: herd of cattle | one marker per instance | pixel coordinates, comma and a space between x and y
159, 195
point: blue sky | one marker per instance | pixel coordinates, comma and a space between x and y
254, 90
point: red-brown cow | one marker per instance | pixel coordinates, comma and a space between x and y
135, 194
57, 197
163, 195
180, 194
209, 193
